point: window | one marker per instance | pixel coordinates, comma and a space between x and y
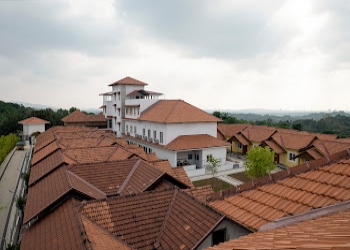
161, 137
130, 129
209, 156
189, 156
110, 123
239, 145
219, 236
292, 157
143, 132
134, 129
149, 133
127, 128
154, 134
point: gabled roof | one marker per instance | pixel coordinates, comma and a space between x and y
330, 147
201, 193
178, 172
185, 142
128, 81
331, 231
55, 187
258, 133
296, 140
274, 146
228, 130
123, 177
175, 111
240, 138
312, 189
167, 219
61, 229
78, 116
33, 120
44, 152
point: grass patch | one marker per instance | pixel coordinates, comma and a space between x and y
243, 177
214, 182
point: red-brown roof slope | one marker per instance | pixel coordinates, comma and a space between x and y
55, 187
33, 120
330, 147
184, 142
258, 133
228, 130
313, 189
328, 232
178, 172
61, 229
78, 116
296, 140
128, 81
44, 152
122, 177
175, 111
165, 219
201, 193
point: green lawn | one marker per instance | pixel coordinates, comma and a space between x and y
214, 182
240, 176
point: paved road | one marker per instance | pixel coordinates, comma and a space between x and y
8, 182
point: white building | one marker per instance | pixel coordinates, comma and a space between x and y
173, 129
32, 125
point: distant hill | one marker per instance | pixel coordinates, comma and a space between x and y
35, 106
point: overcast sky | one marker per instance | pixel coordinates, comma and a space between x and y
289, 55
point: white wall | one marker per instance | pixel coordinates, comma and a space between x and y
219, 153
31, 128
233, 231
173, 130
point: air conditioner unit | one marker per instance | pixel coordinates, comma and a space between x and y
128, 133
156, 141
145, 138
150, 139
136, 135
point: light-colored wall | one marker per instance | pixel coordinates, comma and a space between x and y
233, 231
218, 153
176, 129
31, 128
284, 158
235, 147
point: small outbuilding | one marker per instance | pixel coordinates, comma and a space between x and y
32, 125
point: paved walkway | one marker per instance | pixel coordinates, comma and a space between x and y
230, 180
222, 173
8, 183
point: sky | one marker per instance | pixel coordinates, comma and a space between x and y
217, 55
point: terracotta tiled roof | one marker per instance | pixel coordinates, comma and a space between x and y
274, 146
46, 166
123, 177
313, 189
258, 133
330, 147
228, 130
78, 116
327, 137
59, 230
55, 187
44, 152
33, 120
175, 111
293, 140
184, 142
178, 172
167, 219
152, 157
327, 232
240, 138
144, 92
44, 139
128, 81
200, 193
99, 237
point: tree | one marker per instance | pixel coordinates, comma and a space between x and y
259, 162
213, 165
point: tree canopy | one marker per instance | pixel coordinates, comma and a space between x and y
259, 162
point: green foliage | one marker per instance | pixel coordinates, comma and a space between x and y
13, 246
227, 118
21, 203
213, 165
7, 143
259, 162
26, 177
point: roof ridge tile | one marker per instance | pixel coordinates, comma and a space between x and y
122, 186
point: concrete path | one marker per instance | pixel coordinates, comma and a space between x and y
230, 180
9, 170
227, 172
